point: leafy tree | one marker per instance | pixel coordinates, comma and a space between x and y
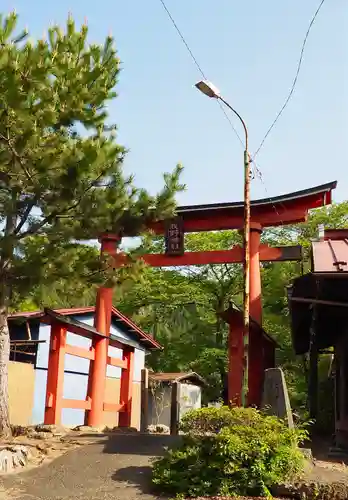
61, 176
181, 308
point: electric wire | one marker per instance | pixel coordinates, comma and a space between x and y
294, 83
198, 65
183, 38
259, 175
256, 172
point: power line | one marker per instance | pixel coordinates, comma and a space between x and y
295, 79
230, 122
183, 39
258, 173
198, 65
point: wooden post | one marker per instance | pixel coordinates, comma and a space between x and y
144, 415
313, 378
174, 409
235, 362
269, 354
55, 375
256, 367
313, 363
338, 385
97, 373
126, 391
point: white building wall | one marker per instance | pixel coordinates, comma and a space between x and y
75, 384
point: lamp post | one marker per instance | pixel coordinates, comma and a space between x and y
208, 89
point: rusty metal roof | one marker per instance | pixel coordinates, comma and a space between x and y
330, 256
177, 377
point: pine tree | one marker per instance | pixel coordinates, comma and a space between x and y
61, 176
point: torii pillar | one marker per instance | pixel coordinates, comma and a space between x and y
102, 322
256, 362
256, 340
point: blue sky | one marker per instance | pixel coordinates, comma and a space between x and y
249, 49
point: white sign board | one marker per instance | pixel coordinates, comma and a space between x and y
189, 398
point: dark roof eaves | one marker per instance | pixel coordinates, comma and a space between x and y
262, 201
149, 343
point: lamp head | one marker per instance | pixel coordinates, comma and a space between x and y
208, 89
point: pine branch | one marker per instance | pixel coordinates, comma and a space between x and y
8, 141
55, 214
25, 215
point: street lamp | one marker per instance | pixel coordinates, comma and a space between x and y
208, 89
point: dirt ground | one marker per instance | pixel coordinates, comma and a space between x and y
104, 468
115, 466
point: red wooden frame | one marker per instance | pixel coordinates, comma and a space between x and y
126, 391
55, 375
55, 379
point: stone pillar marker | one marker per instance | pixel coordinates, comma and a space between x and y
275, 398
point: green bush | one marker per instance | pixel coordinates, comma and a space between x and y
229, 452
212, 420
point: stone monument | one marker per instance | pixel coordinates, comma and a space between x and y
275, 398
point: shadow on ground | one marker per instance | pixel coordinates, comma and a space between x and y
139, 444
147, 446
321, 445
140, 477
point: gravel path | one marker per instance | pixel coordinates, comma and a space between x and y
116, 467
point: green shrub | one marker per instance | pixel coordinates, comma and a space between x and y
212, 420
229, 452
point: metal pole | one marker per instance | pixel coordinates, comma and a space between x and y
246, 301
246, 304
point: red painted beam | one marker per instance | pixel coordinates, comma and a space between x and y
80, 352
219, 221
113, 407
119, 363
233, 256
77, 404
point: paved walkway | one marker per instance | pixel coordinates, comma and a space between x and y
116, 467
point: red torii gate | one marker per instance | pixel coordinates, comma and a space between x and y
282, 210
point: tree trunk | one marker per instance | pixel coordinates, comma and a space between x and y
5, 428
5, 288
